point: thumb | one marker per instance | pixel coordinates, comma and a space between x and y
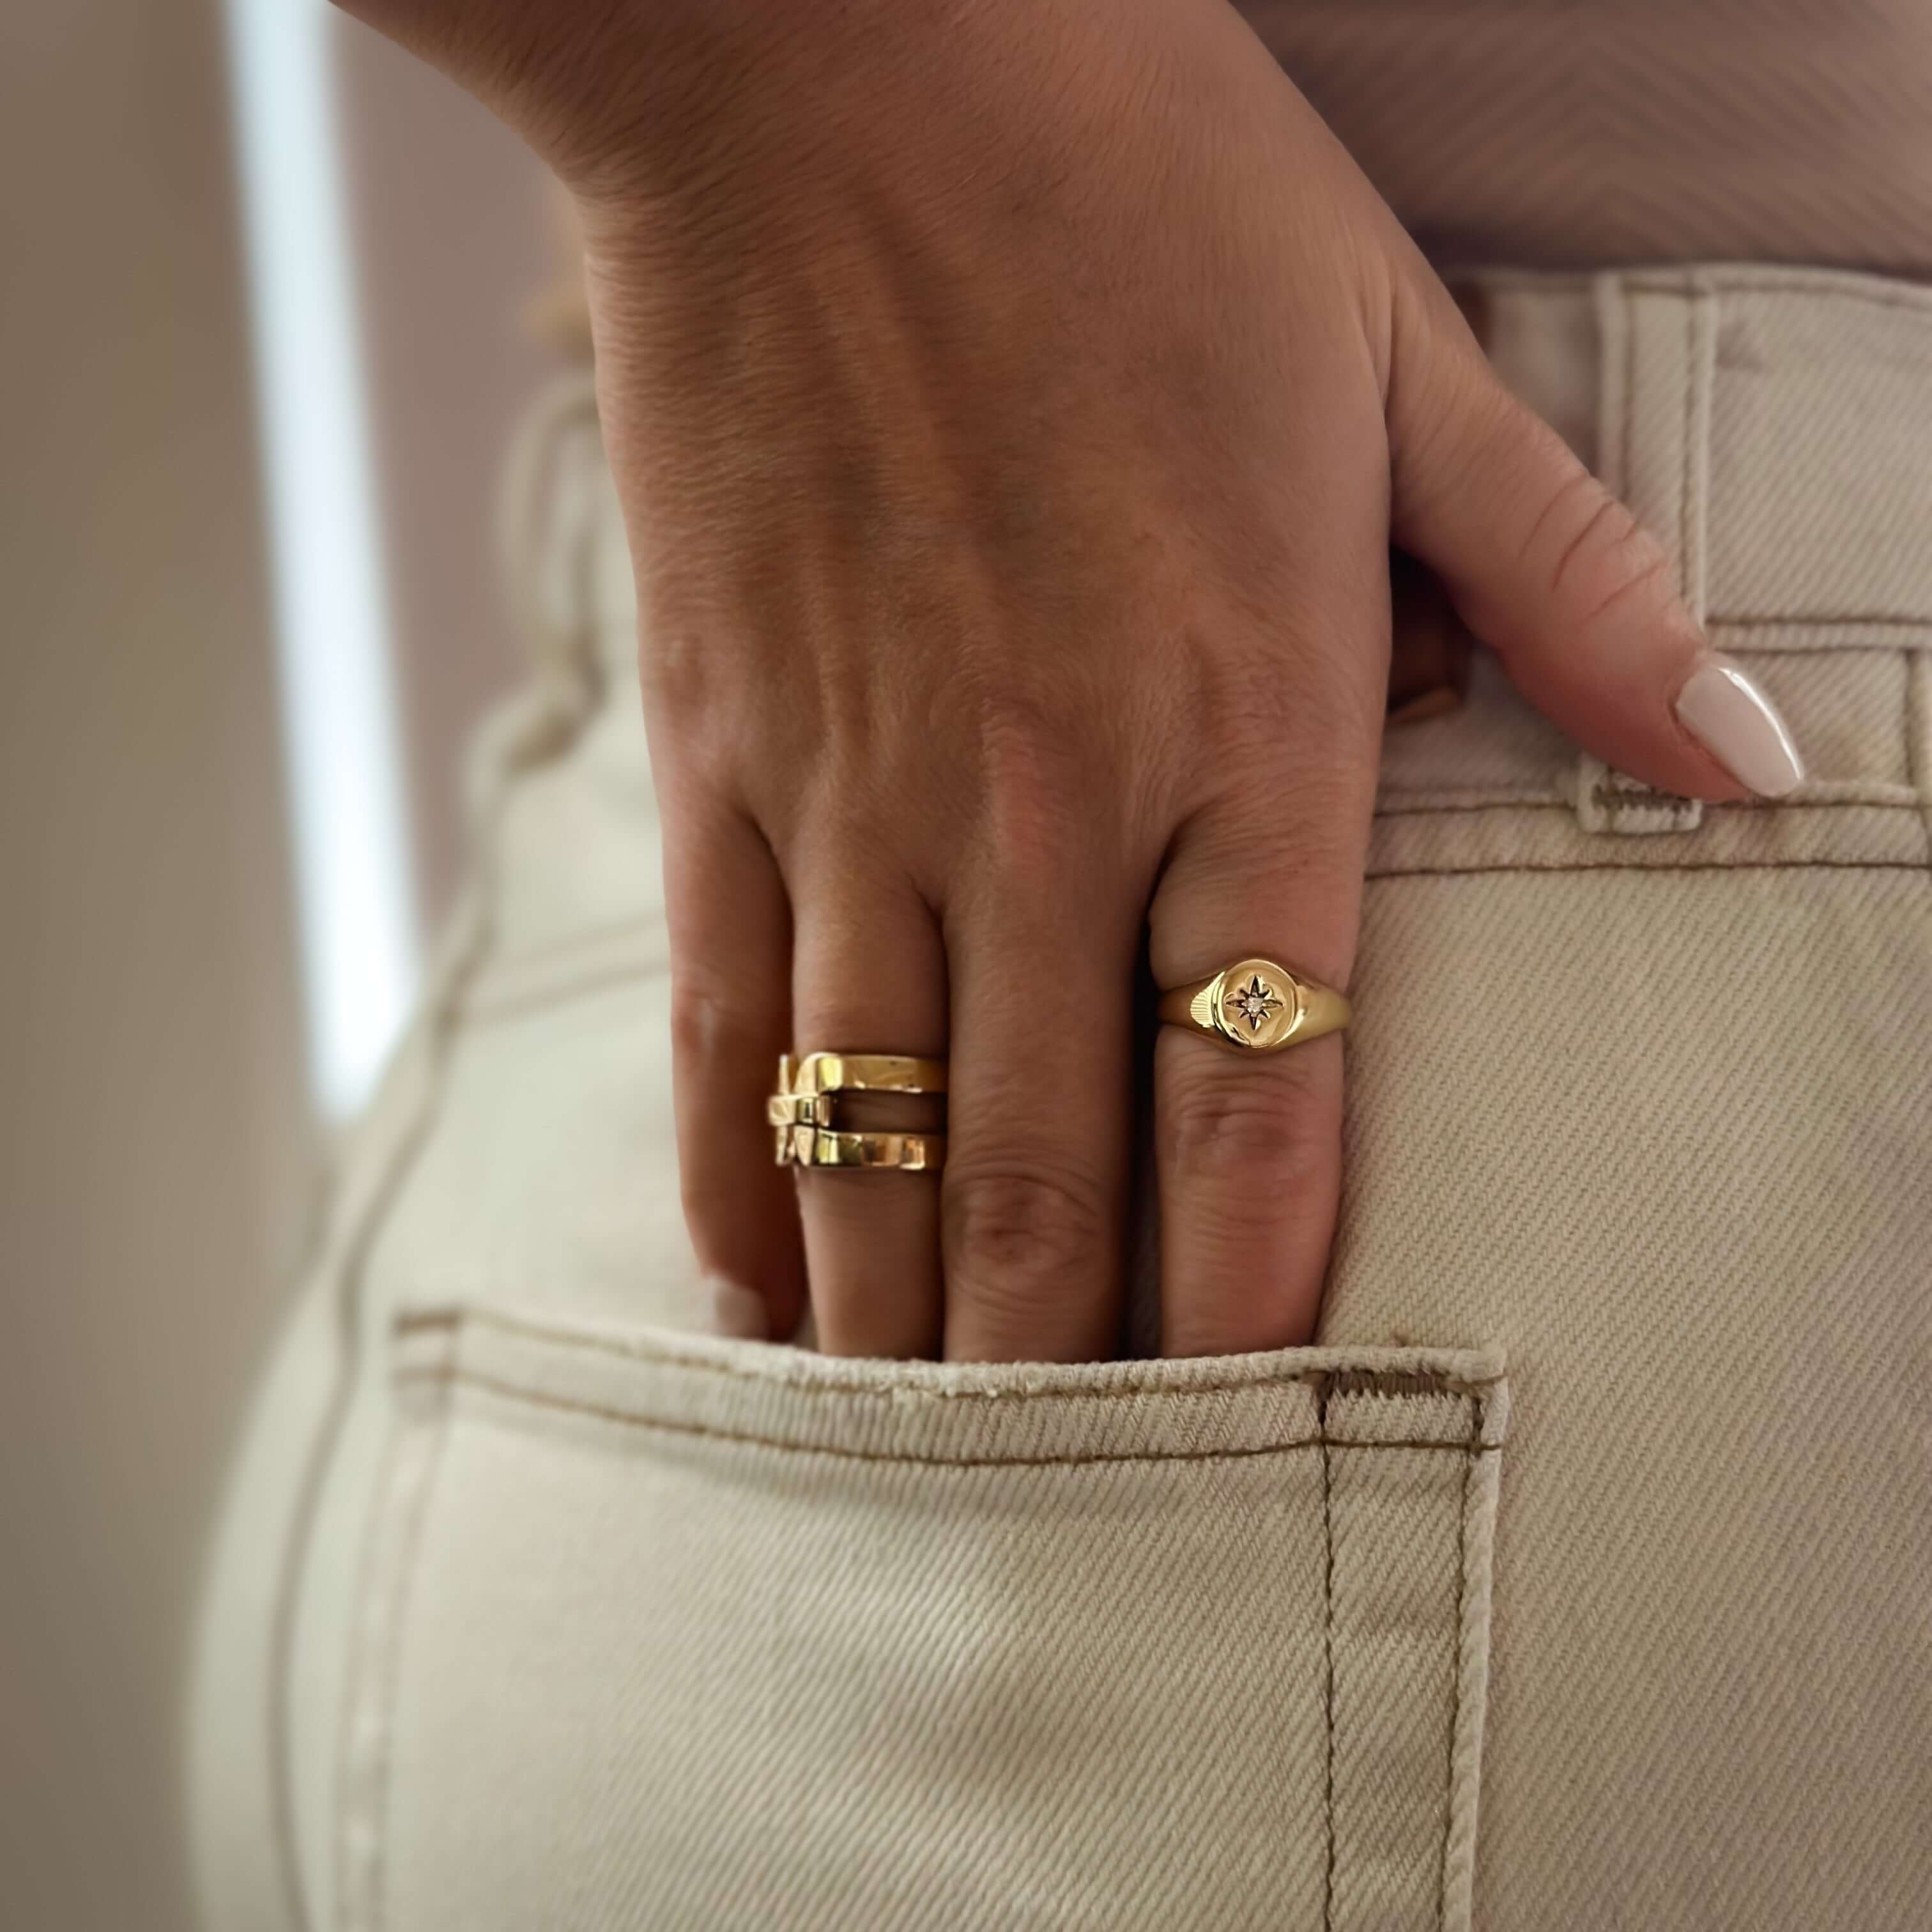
1559, 578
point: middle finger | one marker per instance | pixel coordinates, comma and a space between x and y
1036, 1176
869, 976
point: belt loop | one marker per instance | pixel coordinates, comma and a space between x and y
1656, 357
1700, 374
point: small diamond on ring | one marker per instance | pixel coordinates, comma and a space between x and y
1256, 1002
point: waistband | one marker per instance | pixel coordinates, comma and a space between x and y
1773, 428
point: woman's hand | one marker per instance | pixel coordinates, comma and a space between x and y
1012, 403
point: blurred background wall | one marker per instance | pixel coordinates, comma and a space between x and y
161, 1147
454, 231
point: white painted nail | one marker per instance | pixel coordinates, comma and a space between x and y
1723, 709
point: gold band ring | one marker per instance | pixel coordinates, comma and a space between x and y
1256, 1006
801, 1111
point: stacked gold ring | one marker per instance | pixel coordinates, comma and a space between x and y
803, 1112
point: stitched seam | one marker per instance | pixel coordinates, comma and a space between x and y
424, 1320
401, 1589
1733, 867
1386, 1382
1911, 296
1766, 620
1456, 1659
349, 1776
528, 746
1653, 800
405, 1591
1684, 484
1328, 1652
1910, 760
570, 1404
1869, 298
1823, 649
1619, 798
1918, 710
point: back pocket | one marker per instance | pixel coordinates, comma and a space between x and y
660, 1631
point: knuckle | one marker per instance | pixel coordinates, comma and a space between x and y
1027, 739
1290, 696
676, 668
1031, 788
1293, 842
1257, 1139
708, 1019
837, 853
701, 730
1014, 1237
1563, 524
1596, 554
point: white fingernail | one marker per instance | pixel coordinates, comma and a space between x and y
1723, 709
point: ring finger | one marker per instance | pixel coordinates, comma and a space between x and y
1249, 1145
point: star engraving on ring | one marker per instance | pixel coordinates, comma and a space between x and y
1256, 1002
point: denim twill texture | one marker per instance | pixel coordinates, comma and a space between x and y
809, 1644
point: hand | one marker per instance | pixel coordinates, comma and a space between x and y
1012, 403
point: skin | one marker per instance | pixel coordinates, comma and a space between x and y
1012, 403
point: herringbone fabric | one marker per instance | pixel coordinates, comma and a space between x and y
1561, 132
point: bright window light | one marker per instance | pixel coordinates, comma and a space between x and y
349, 826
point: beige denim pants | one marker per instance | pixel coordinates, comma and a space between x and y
1582, 1577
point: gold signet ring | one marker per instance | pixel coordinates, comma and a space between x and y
802, 1111
1256, 1006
